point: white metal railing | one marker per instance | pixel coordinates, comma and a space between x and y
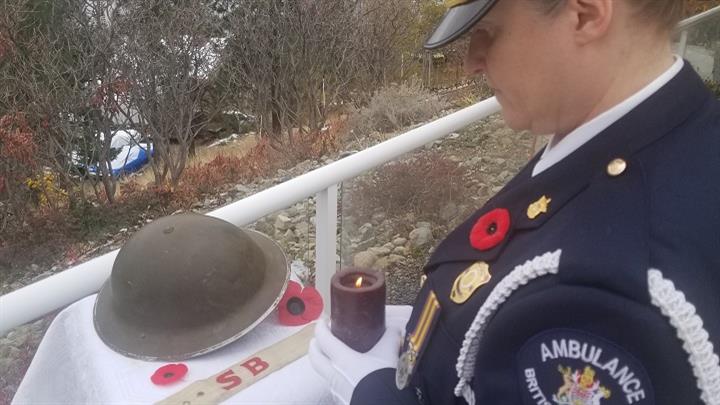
61, 289
684, 27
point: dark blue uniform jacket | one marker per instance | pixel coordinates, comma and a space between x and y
601, 328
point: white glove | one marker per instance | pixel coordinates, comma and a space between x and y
343, 367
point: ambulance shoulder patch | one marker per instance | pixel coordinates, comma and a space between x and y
572, 367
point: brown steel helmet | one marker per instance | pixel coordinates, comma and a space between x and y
188, 284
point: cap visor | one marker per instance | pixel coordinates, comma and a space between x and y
457, 21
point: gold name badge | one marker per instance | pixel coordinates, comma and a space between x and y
470, 280
538, 207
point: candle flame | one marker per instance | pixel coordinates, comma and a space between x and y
358, 282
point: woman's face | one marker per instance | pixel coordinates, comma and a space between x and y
524, 54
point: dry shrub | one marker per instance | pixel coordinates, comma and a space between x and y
714, 87
17, 163
395, 107
313, 145
423, 185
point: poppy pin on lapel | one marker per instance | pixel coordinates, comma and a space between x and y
538, 207
490, 229
472, 278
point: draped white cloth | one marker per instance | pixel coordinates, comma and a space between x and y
73, 366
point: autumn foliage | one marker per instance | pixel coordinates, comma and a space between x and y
693, 7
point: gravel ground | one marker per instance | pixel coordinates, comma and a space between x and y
491, 153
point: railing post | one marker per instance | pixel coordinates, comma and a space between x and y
682, 46
325, 241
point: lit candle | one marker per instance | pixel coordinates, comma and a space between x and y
357, 307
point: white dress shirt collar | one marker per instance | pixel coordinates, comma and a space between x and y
584, 133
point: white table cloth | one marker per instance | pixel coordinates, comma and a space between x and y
73, 366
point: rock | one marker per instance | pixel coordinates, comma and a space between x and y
420, 237
366, 231
366, 244
291, 212
448, 211
389, 246
264, 227
399, 241
282, 222
382, 263
378, 217
302, 228
424, 225
289, 235
365, 259
380, 251
395, 259
400, 250
242, 189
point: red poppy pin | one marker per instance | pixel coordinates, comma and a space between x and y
169, 373
490, 229
299, 305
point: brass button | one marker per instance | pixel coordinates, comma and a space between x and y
616, 167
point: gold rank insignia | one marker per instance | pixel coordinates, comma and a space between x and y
538, 207
472, 278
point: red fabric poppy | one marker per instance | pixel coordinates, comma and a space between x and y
299, 305
169, 373
490, 229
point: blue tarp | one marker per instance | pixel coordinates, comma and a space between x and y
131, 157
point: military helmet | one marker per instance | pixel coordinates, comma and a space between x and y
459, 18
188, 284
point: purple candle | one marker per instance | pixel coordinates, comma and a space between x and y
357, 307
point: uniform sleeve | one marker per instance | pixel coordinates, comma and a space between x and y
379, 388
584, 345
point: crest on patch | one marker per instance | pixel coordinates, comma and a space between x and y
573, 367
580, 388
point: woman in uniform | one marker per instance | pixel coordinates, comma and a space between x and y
593, 276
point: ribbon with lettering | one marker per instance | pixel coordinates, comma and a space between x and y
234, 379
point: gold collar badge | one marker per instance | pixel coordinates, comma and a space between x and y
469, 281
538, 207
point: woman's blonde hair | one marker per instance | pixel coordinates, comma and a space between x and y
666, 14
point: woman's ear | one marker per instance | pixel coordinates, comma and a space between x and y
591, 18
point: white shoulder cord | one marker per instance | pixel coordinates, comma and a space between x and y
689, 326
519, 276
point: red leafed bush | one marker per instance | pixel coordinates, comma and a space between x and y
17, 146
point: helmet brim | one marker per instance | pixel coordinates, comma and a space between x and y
457, 21
160, 344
